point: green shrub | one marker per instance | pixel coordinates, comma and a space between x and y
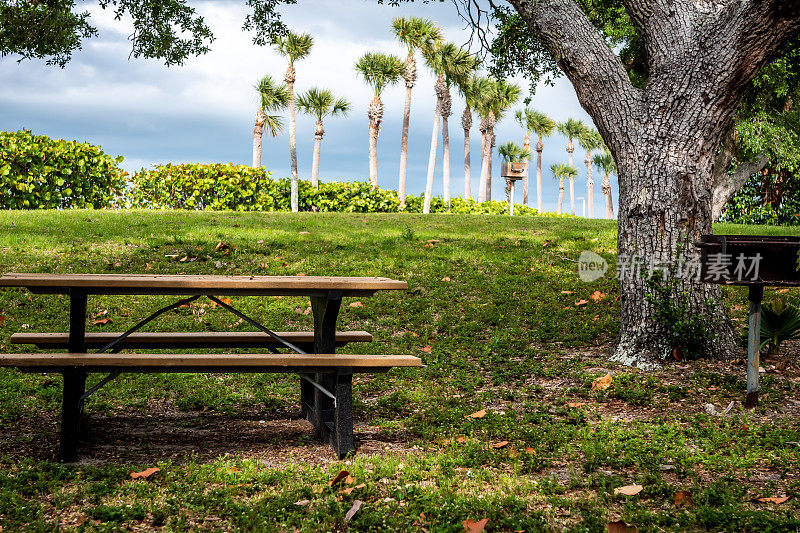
39, 172
242, 188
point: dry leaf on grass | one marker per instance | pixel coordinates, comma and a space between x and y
471, 526
351, 489
597, 296
501, 444
302, 502
477, 414
566, 292
620, 527
353, 510
102, 321
144, 473
683, 498
602, 383
773, 500
629, 490
356, 304
341, 476
575, 404
426, 349
305, 233
579, 303
445, 279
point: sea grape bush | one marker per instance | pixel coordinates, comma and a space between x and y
37, 172
244, 188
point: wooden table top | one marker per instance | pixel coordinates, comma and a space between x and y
198, 284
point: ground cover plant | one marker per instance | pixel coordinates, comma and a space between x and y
517, 417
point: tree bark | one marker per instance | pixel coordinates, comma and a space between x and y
570, 149
539, 147
607, 194
589, 183
375, 115
489, 168
295, 195
410, 75
466, 123
426, 208
526, 144
482, 180
318, 133
664, 138
446, 112
560, 196
258, 133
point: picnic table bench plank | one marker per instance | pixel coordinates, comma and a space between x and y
179, 339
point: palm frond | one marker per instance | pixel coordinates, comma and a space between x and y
274, 124
294, 45
379, 69
606, 163
416, 32
273, 96
563, 171
539, 123
571, 128
590, 139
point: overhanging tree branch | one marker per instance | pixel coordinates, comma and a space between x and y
599, 78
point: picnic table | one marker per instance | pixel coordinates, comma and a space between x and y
326, 377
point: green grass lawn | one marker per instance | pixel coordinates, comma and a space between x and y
491, 309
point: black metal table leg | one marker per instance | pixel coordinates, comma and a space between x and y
342, 436
318, 408
74, 380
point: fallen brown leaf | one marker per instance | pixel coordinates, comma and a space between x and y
620, 527
426, 349
445, 279
461, 439
471, 526
566, 292
597, 296
356, 304
579, 303
773, 500
501, 444
477, 414
351, 489
302, 502
602, 383
101, 321
683, 498
341, 476
145, 473
575, 404
629, 490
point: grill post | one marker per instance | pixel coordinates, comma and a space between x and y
755, 295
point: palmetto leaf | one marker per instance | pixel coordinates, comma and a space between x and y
380, 70
780, 322
539, 123
605, 162
273, 96
274, 124
321, 103
590, 139
572, 128
563, 171
510, 151
416, 32
294, 46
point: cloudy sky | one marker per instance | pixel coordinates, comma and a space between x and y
204, 111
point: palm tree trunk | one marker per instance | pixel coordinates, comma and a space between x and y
426, 208
375, 115
410, 76
318, 133
607, 194
589, 184
560, 196
484, 167
539, 147
258, 133
526, 143
373, 154
446, 161
466, 122
570, 148
492, 139
293, 147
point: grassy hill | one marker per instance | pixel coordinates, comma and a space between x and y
494, 311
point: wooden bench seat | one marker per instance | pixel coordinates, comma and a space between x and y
172, 340
55, 362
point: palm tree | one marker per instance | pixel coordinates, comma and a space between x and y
571, 128
450, 64
543, 126
605, 162
320, 103
293, 46
590, 140
415, 33
492, 109
561, 172
378, 70
273, 97
474, 89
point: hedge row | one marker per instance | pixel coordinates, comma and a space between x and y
44, 173
243, 188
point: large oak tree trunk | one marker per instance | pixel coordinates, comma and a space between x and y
664, 137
